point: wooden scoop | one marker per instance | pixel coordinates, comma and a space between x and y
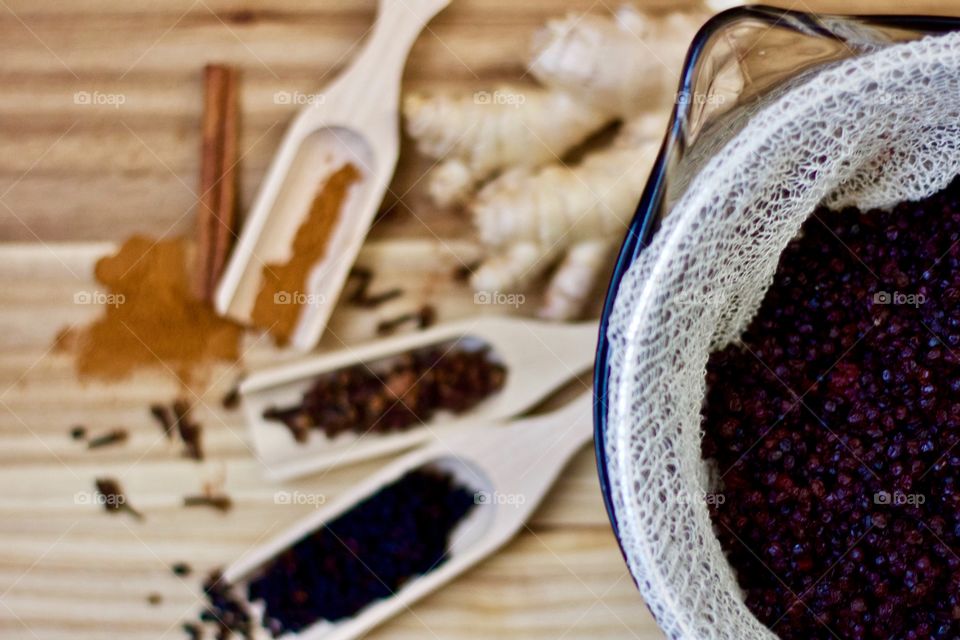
510, 467
354, 121
539, 357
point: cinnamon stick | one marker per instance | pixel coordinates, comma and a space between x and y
216, 213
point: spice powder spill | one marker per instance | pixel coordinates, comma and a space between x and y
278, 304
155, 322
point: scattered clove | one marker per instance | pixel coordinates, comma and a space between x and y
113, 498
154, 599
361, 296
410, 390
231, 399
363, 277
464, 271
164, 416
190, 432
78, 432
220, 502
115, 436
423, 318
181, 569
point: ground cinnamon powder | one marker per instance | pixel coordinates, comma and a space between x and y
154, 321
283, 290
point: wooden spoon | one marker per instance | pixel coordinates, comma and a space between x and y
539, 358
510, 467
354, 121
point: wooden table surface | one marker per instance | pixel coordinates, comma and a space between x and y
76, 178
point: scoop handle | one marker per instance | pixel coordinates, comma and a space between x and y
378, 68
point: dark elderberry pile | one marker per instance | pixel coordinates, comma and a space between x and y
364, 555
834, 425
414, 388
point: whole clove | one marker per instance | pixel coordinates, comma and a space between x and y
190, 432
165, 418
422, 318
78, 432
408, 392
219, 502
231, 399
113, 498
115, 436
364, 555
181, 569
464, 271
361, 297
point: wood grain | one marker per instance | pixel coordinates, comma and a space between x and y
76, 177
70, 569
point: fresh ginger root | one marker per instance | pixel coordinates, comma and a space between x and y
575, 278
484, 132
558, 208
501, 151
575, 54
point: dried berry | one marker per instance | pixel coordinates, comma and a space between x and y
362, 556
192, 630
833, 425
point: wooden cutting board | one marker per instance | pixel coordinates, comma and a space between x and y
77, 177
